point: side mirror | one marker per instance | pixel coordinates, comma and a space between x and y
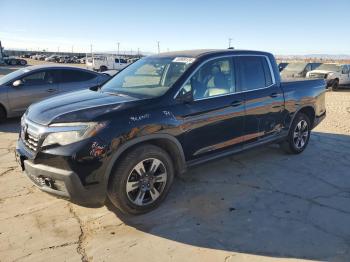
17, 83
185, 98
344, 71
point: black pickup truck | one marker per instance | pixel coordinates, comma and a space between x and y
127, 139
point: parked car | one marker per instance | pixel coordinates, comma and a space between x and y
23, 87
52, 58
298, 69
161, 114
282, 66
63, 59
103, 63
334, 74
82, 60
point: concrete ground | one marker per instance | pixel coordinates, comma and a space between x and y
261, 205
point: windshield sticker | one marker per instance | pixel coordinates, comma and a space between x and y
186, 60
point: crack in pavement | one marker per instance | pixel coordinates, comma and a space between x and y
9, 169
46, 248
80, 248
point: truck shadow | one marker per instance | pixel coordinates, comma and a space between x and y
262, 202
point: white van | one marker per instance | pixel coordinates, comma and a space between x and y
334, 74
103, 63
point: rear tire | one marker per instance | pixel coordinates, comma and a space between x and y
299, 135
13, 62
141, 180
23, 62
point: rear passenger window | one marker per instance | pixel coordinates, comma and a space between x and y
254, 72
68, 76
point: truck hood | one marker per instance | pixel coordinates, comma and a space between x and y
76, 106
321, 72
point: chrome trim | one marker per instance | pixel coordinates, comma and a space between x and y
230, 56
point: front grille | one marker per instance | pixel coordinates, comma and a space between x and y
30, 135
31, 141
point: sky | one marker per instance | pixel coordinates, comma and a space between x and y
294, 27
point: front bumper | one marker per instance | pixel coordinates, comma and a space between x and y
59, 182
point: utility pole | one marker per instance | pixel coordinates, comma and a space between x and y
91, 49
138, 51
229, 42
72, 49
58, 49
158, 47
118, 44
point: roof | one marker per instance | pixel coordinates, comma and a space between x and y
200, 52
53, 66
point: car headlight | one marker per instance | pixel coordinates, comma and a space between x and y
330, 75
68, 133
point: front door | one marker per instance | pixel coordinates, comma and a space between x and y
345, 75
214, 120
35, 87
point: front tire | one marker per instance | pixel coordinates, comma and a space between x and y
2, 114
335, 85
299, 135
103, 68
141, 180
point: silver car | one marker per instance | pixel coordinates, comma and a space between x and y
23, 87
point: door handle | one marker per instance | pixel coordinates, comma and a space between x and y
274, 95
51, 90
236, 103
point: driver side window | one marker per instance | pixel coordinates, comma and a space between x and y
214, 78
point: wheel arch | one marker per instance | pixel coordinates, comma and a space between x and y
167, 142
307, 110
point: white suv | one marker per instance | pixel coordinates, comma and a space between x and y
334, 74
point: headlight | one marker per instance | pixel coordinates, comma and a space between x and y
330, 75
68, 133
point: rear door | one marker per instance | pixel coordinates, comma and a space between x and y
73, 80
35, 87
264, 100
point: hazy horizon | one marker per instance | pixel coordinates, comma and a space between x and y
283, 28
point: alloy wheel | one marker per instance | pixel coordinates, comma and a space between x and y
146, 182
301, 134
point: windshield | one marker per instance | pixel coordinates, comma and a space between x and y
148, 77
295, 67
13, 75
330, 67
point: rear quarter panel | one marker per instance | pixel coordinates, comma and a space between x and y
301, 94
